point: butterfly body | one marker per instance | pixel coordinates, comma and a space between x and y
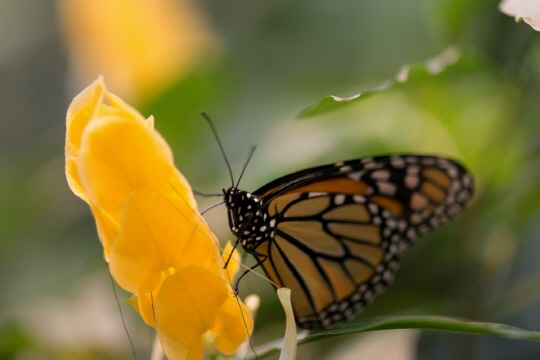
247, 219
334, 234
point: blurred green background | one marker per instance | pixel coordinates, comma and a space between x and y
267, 62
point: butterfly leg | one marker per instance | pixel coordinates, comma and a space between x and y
232, 252
259, 262
241, 232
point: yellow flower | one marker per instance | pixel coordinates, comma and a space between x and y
140, 46
157, 244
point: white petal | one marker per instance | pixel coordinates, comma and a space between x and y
288, 351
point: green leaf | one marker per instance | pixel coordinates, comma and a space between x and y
331, 102
434, 323
407, 73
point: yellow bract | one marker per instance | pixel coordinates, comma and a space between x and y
157, 236
181, 305
140, 46
157, 244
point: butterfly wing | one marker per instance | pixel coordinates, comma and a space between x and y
339, 230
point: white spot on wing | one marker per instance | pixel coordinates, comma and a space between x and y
411, 181
416, 218
339, 199
359, 199
397, 161
373, 165
366, 160
466, 180
356, 176
452, 172
418, 201
387, 188
431, 161
381, 174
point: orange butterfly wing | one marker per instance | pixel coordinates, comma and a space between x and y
339, 230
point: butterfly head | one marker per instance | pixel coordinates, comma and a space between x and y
246, 219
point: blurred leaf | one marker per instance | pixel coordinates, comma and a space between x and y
331, 102
13, 339
414, 72
436, 323
177, 111
524, 294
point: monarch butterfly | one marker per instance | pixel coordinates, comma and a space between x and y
334, 234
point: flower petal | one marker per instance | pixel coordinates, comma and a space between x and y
178, 188
117, 156
140, 46
72, 176
156, 242
81, 111
158, 233
185, 310
528, 10
107, 227
288, 352
232, 327
144, 304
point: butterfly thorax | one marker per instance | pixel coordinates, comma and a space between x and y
247, 218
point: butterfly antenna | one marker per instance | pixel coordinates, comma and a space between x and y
212, 206
205, 115
206, 195
253, 147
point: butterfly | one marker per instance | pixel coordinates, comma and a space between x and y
335, 234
